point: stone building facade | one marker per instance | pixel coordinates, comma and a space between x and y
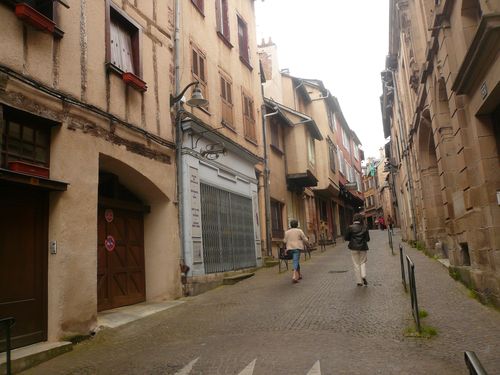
91, 124
441, 108
323, 172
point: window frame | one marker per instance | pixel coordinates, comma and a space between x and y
57, 32
249, 125
226, 102
222, 21
199, 6
277, 219
243, 43
331, 153
275, 135
25, 120
112, 10
311, 151
203, 80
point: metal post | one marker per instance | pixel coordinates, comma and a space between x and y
413, 292
8, 323
473, 364
389, 234
403, 277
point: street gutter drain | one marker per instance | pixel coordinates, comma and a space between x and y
342, 271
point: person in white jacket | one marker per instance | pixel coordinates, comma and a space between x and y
295, 240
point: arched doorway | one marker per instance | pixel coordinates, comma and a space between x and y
120, 245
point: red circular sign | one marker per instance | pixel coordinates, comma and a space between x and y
109, 243
108, 215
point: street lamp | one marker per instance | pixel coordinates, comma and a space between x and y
196, 100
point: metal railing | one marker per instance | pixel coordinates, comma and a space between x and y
389, 234
7, 323
473, 364
413, 292
401, 258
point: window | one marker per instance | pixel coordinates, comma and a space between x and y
311, 152
23, 138
275, 135
222, 18
243, 42
342, 164
332, 156
332, 121
277, 219
358, 182
248, 118
200, 5
227, 101
345, 139
41, 14
123, 45
356, 151
198, 69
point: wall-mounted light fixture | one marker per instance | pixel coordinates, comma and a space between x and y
196, 100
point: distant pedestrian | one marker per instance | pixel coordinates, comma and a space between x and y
390, 222
358, 236
381, 222
295, 241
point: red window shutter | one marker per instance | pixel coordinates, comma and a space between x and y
202, 68
223, 88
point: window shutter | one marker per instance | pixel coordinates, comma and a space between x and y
225, 20
218, 16
121, 47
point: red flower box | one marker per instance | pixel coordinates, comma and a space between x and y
132, 80
34, 18
27, 168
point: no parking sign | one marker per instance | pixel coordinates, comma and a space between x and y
110, 243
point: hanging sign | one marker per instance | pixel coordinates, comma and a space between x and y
109, 243
109, 215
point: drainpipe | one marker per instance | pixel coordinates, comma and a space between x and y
178, 134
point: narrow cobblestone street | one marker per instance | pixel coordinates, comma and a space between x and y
323, 325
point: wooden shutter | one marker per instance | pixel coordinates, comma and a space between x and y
121, 47
248, 117
227, 102
199, 4
225, 20
243, 39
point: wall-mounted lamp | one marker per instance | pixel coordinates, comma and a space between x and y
196, 100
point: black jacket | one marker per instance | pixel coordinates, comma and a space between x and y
358, 236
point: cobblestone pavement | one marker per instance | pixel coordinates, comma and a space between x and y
323, 325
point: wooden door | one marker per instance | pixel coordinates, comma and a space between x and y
23, 262
120, 269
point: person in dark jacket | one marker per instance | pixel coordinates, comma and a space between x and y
358, 236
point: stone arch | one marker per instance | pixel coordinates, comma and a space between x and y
161, 249
471, 16
433, 216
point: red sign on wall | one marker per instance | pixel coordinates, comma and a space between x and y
110, 243
109, 215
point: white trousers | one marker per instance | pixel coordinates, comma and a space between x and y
359, 261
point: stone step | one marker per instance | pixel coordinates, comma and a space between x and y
32, 355
230, 280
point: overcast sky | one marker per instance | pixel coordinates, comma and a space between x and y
340, 42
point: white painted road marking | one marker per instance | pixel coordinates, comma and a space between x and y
315, 370
187, 369
249, 369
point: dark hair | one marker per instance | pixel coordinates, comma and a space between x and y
294, 223
358, 217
